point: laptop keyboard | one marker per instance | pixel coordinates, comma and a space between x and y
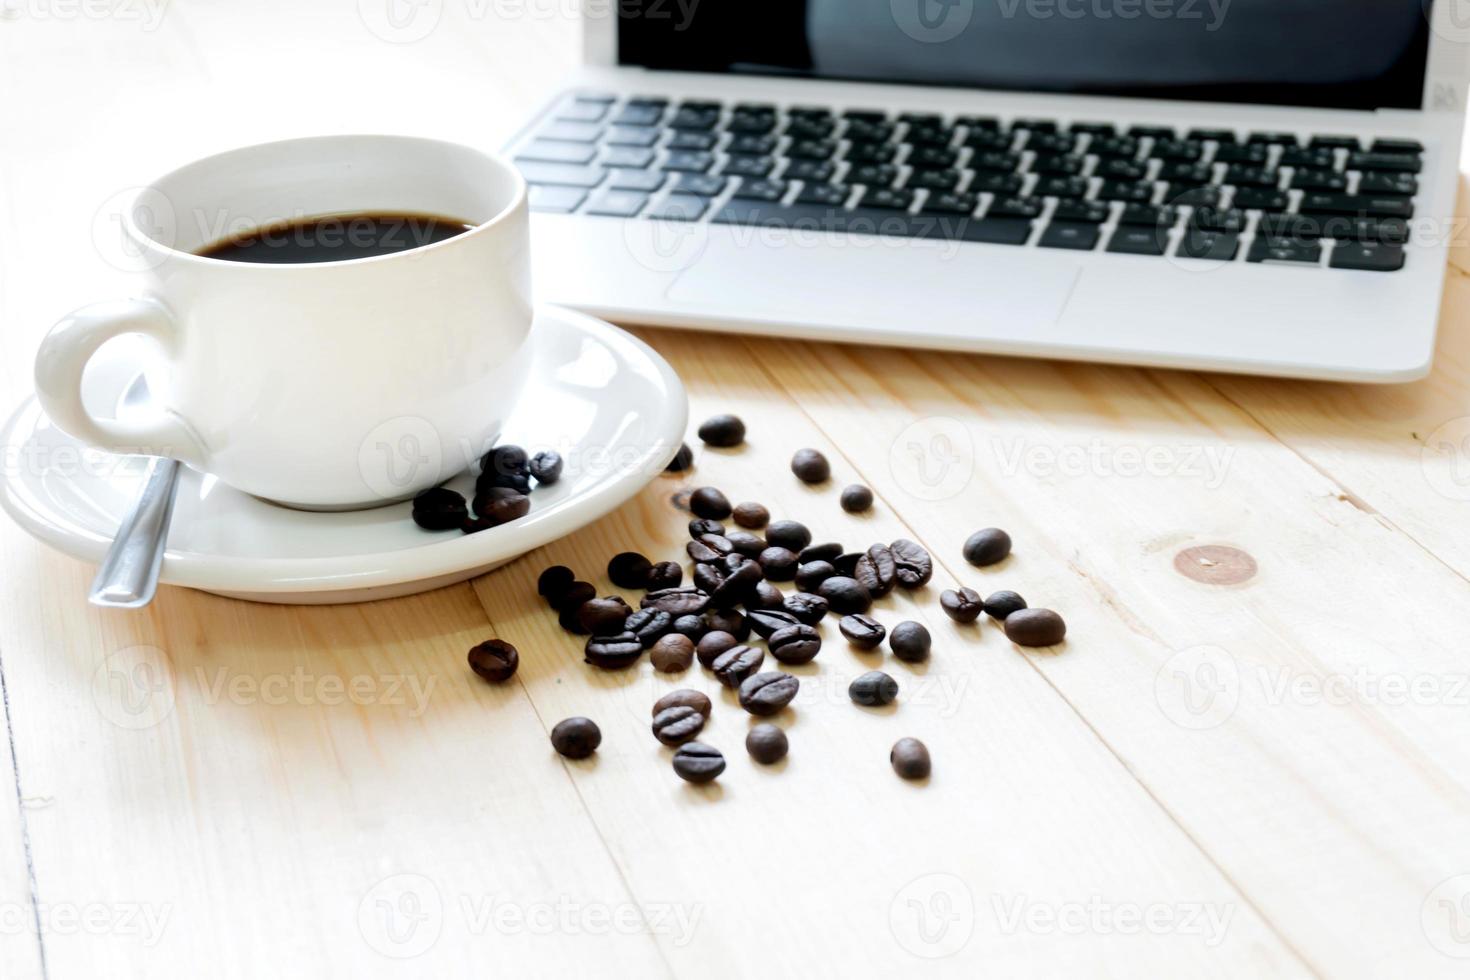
1207, 194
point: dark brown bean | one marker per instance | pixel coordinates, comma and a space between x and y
846, 563
910, 758
813, 574
665, 575
648, 625
495, 660
555, 581
795, 644
683, 459
569, 621
766, 622
779, 564
688, 697
499, 505
863, 632
576, 738
613, 652
962, 606
701, 526
999, 605
605, 616
712, 644
768, 692
696, 762
987, 546
546, 467
709, 503
877, 569
677, 725
791, 535
752, 515
730, 621
914, 567
724, 431
845, 595
730, 581
810, 466
683, 601
910, 642
806, 607
819, 552
736, 664
440, 509
672, 653
766, 743
629, 570
575, 594
765, 596
873, 689
691, 626
709, 547
856, 498
747, 544
1035, 628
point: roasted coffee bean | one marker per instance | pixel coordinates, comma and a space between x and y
765, 596
910, 758
677, 725
604, 617
499, 505
1000, 605
856, 498
846, 563
752, 515
877, 569
724, 431
696, 762
795, 644
813, 574
665, 575
845, 595
863, 632
810, 466
495, 660
914, 566
555, 581
546, 468
490, 480
962, 606
506, 460
701, 552
576, 738
701, 526
613, 652
691, 626
648, 625
709, 503
733, 666
687, 697
1035, 628
766, 743
629, 570
683, 601
731, 621
779, 564
747, 544
819, 552
987, 546
768, 692
739, 576
440, 509
573, 596
873, 689
712, 644
766, 622
672, 653
791, 535
806, 607
474, 525
910, 642
569, 621
683, 459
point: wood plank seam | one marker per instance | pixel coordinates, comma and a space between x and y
25, 834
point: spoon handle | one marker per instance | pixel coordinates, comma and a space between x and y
128, 577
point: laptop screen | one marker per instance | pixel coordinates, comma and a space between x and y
1359, 54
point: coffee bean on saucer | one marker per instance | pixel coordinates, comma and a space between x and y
856, 498
490, 480
736, 664
914, 567
629, 570
877, 569
847, 562
765, 596
677, 725
672, 653
806, 607
766, 743
648, 625
683, 601
910, 758
779, 564
683, 459
696, 762
546, 468
845, 595
810, 466
987, 546
731, 621
613, 652
747, 544
724, 431
873, 689
791, 535
501, 505
768, 692
664, 575
709, 503
962, 605
506, 460
687, 697
573, 596
495, 660
712, 644
813, 574
576, 738
691, 626
766, 622
910, 642
795, 644
604, 617
1035, 628
752, 515
863, 632
701, 526
999, 605
554, 582
440, 509
819, 552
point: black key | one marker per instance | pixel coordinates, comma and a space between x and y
1139, 240
549, 151
692, 161
865, 115
654, 101
1394, 231
991, 160
575, 111
1081, 212
811, 149
1183, 175
1004, 185
571, 132
1093, 129
1252, 153
1391, 185
556, 199
1218, 219
751, 124
560, 173
809, 112
632, 135
1194, 197
1114, 147
1365, 205
1274, 139
1259, 199
704, 185
1399, 163
1051, 142
1219, 246
633, 157
1157, 132
1035, 125
886, 199
1063, 187
637, 180
1148, 214
1266, 249
638, 115
935, 180
988, 140
749, 166
1242, 175
810, 129
680, 207
750, 144
1140, 192
599, 98
761, 190
1064, 234
816, 170
950, 203
1120, 169
699, 105
865, 132
920, 118
1057, 166
1319, 180
1367, 256
690, 140
1408, 147
873, 174
816, 217
831, 195
871, 152
1014, 207
1178, 150
618, 204
929, 136
1218, 135
687, 117
1312, 158
1335, 142
756, 108
977, 122
932, 158
997, 231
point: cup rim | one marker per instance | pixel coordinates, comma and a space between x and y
516, 204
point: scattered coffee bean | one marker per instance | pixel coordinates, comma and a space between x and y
752, 515
499, 505
677, 725
1035, 628
649, 625
810, 466
987, 546
672, 653
873, 689
738, 576
731, 621
613, 652
847, 562
795, 644
999, 605
813, 574
665, 575
863, 632
962, 606
766, 743
845, 595
712, 644
570, 622
696, 762
791, 535
683, 601
856, 498
877, 569
701, 526
576, 738
707, 502
691, 626
506, 461
724, 431
490, 479
604, 617
806, 607
766, 622
546, 468
683, 459
688, 697
440, 509
914, 567
765, 596
779, 564
574, 595
733, 666
747, 544
474, 525
910, 642
629, 570
707, 549
495, 660
554, 582
910, 758
819, 552
768, 692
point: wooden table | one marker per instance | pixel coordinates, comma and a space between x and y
1242, 762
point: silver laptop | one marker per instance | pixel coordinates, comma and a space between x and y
1260, 186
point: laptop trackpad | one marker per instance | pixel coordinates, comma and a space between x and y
872, 282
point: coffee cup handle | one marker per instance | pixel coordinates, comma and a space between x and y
63, 357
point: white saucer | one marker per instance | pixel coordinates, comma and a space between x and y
612, 407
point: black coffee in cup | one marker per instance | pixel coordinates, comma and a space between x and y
336, 238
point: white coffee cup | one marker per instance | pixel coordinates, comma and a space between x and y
318, 385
